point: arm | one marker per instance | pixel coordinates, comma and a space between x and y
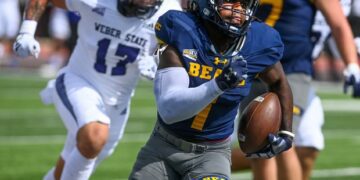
26, 44
344, 39
172, 91
334, 15
35, 8
274, 76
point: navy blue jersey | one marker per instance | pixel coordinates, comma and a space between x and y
293, 19
183, 31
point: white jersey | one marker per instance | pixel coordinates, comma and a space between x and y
109, 46
321, 29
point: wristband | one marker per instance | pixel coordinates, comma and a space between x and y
287, 133
28, 27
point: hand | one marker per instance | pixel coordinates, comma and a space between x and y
147, 67
26, 45
352, 79
277, 144
232, 75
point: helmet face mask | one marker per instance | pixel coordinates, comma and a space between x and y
142, 9
233, 17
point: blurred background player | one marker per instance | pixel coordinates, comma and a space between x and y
354, 20
92, 93
9, 26
209, 58
60, 31
293, 19
328, 65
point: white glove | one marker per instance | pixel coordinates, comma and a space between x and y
352, 79
25, 44
352, 70
147, 67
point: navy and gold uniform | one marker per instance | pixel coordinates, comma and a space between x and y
293, 20
183, 31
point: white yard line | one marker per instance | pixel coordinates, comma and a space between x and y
341, 105
142, 137
59, 139
320, 173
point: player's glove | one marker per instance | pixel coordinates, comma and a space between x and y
233, 73
147, 67
352, 79
25, 44
277, 144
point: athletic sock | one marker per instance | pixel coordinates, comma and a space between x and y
50, 174
77, 167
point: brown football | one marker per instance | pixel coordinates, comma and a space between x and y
261, 117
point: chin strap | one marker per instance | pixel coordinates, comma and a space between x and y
239, 44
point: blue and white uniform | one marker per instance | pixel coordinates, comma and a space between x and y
99, 80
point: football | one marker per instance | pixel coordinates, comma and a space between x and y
261, 117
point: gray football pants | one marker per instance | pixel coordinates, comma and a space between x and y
166, 157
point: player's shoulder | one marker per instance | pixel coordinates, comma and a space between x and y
263, 45
177, 17
176, 25
168, 5
264, 35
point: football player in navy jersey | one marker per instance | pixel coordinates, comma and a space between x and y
209, 58
293, 19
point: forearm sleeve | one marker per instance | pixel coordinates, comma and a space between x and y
175, 100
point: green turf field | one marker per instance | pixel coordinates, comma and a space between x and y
31, 134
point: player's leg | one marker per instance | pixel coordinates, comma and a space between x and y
264, 169
309, 139
288, 165
88, 122
303, 94
213, 163
49, 96
151, 160
55, 172
307, 156
238, 160
119, 117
